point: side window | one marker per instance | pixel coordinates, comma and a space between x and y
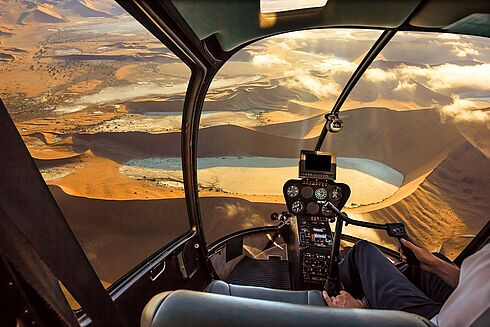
98, 101
426, 99
265, 105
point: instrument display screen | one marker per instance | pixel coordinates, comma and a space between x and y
317, 165
318, 162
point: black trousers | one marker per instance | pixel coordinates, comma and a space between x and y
366, 272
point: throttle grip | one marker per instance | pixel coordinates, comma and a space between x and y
398, 231
411, 258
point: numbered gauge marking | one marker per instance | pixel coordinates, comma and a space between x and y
297, 206
292, 191
321, 193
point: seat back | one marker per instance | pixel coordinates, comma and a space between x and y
188, 308
311, 297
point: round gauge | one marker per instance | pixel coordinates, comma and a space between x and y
307, 192
312, 208
321, 193
292, 191
336, 194
297, 206
327, 212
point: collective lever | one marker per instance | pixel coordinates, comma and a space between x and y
396, 230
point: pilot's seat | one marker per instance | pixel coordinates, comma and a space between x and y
269, 294
187, 308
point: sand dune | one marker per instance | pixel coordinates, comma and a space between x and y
15, 50
6, 57
477, 133
84, 8
266, 95
6, 34
452, 202
49, 12
43, 13
117, 235
155, 105
295, 129
402, 152
367, 91
370, 181
390, 142
130, 58
132, 229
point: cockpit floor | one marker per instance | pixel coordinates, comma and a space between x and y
263, 273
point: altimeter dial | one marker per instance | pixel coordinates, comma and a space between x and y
297, 206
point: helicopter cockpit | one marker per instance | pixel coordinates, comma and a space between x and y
212, 163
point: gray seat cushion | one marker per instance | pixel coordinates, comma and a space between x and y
187, 308
269, 294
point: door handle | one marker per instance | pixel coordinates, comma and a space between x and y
156, 271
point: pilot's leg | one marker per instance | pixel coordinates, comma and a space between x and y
432, 285
365, 271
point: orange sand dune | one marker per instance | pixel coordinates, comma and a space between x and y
96, 177
116, 235
99, 178
451, 203
404, 191
389, 140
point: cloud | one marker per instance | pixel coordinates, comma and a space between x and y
463, 49
462, 110
334, 65
450, 77
405, 86
448, 36
330, 34
320, 87
377, 75
268, 60
314, 60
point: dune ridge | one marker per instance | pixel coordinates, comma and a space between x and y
109, 230
454, 197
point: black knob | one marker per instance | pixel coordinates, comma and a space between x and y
274, 216
307, 192
312, 208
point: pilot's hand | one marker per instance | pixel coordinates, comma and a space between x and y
343, 300
427, 260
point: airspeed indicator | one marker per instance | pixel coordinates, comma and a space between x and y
292, 191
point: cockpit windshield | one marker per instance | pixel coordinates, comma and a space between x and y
413, 149
84, 83
252, 131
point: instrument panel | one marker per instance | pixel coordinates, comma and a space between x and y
307, 199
